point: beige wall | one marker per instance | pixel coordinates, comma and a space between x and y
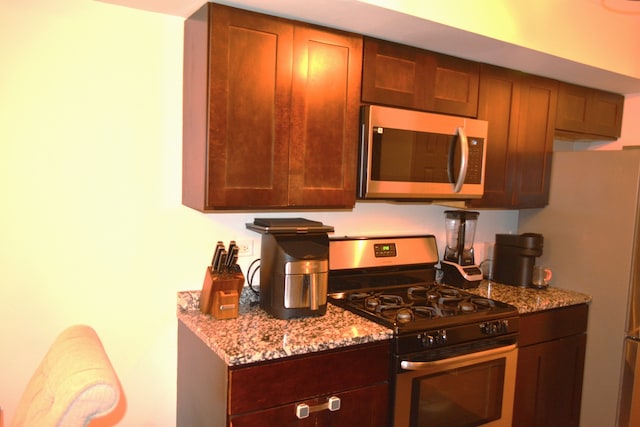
91, 226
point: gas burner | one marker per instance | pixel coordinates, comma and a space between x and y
400, 314
405, 315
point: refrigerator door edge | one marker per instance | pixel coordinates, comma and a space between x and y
629, 399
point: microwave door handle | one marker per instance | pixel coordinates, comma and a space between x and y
464, 160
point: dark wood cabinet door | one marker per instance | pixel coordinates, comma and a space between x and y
284, 381
605, 114
404, 76
520, 109
392, 74
498, 95
455, 86
535, 119
271, 112
549, 383
325, 108
366, 407
585, 113
249, 95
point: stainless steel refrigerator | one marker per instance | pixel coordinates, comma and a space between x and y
592, 244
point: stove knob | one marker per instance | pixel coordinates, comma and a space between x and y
495, 327
504, 326
441, 338
430, 340
426, 340
488, 328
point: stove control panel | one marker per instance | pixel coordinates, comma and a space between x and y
495, 327
433, 338
384, 250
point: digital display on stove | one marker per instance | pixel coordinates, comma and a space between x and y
385, 250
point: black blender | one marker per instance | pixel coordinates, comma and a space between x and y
458, 264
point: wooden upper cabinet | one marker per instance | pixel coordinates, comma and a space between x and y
270, 112
325, 110
404, 76
585, 113
520, 109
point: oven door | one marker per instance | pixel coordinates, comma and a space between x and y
475, 389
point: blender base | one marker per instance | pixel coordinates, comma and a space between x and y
465, 277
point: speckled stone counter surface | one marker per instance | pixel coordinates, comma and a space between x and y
255, 336
529, 300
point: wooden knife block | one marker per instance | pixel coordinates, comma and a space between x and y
220, 294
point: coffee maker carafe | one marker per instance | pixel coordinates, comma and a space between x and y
458, 263
294, 266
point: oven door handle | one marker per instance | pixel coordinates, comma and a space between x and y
416, 366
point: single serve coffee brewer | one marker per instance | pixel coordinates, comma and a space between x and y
294, 266
515, 256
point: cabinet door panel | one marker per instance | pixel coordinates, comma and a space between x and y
393, 75
249, 119
537, 110
549, 383
280, 382
605, 114
520, 109
498, 94
455, 90
586, 113
366, 406
325, 116
403, 76
572, 108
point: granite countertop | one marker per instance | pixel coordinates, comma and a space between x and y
529, 300
255, 336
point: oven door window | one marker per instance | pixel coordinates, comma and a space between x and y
466, 396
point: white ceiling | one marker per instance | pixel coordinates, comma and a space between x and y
364, 17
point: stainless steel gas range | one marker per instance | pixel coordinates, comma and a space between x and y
454, 353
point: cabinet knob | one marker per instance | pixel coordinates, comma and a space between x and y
303, 410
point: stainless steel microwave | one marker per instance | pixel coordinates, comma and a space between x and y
415, 155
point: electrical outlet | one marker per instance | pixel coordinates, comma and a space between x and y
245, 247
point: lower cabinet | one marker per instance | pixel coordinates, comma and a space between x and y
365, 406
550, 367
342, 387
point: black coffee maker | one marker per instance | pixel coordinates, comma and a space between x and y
515, 256
458, 263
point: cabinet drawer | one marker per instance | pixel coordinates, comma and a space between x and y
366, 406
552, 324
294, 380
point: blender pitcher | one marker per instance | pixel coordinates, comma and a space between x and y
458, 263
461, 230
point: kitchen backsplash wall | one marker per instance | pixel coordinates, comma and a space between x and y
366, 219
